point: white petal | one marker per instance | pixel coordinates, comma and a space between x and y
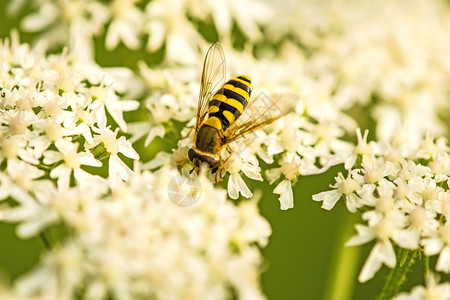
88, 159
353, 202
138, 130
273, 174
116, 109
251, 171
284, 189
154, 132
112, 36
432, 246
38, 21
85, 131
20, 213
371, 266
65, 146
118, 169
160, 159
365, 234
50, 157
31, 228
62, 173
329, 198
408, 238
350, 161
388, 254
101, 117
126, 149
40, 144
235, 185
443, 263
381, 252
157, 34
81, 176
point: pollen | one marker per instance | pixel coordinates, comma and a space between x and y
53, 131
348, 186
72, 160
384, 229
9, 148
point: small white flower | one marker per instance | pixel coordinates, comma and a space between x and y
343, 186
362, 148
126, 24
72, 162
284, 189
106, 98
117, 168
236, 184
432, 290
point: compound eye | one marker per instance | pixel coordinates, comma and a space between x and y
192, 154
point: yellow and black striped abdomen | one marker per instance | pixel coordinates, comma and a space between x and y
230, 101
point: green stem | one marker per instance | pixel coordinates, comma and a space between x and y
427, 266
344, 266
54, 236
100, 152
45, 241
397, 276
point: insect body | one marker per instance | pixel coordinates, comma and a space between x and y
224, 108
226, 113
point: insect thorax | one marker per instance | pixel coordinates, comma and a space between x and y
209, 137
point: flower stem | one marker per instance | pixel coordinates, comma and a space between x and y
54, 235
397, 276
343, 268
99, 151
45, 241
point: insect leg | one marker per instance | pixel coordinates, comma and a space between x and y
222, 163
231, 153
187, 134
183, 164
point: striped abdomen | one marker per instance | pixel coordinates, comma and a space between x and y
229, 102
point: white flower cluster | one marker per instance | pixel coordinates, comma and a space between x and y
124, 240
129, 22
433, 290
389, 57
308, 141
348, 57
129, 241
404, 196
53, 115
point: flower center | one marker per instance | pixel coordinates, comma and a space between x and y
53, 131
52, 109
384, 204
430, 193
445, 234
384, 229
17, 125
72, 160
418, 217
373, 175
290, 170
9, 148
401, 191
111, 144
348, 186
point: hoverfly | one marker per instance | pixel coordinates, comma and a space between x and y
226, 113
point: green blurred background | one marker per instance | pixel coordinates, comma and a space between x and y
306, 257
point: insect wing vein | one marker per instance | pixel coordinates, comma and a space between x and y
213, 77
262, 110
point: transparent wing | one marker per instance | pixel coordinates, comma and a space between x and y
262, 110
213, 78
